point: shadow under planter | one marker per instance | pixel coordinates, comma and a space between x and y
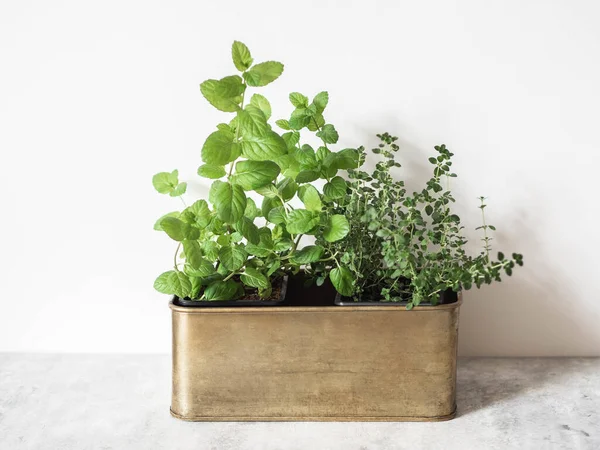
315, 363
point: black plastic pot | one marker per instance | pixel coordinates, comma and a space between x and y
241, 302
446, 297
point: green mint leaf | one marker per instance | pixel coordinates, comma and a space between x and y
277, 215
165, 182
299, 100
173, 283
252, 175
265, 148
261, 103
157, 225
309, 254
224, 94
328, 134
179, 190
343, 160
336, 188
300, 118
263, 73
203, 268
287, 188
201, 212
342, 280
300, 221
223, 290
211, 171
252, 122
247, 228
311, 198
241, 56
337, 228
306, 176
254, 278
229, 201
283, 124
179, 230
320, 101
233, 258
251, 211
219, 148
192, 252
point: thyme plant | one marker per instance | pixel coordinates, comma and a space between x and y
409, 247
227, 245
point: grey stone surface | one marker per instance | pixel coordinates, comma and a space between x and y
79, 402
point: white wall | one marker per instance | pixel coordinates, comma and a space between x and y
95, 97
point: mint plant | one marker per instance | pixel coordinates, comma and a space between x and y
230, 246
408, 247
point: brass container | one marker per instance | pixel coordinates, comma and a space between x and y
333, 363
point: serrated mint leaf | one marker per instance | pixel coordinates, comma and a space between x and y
336, 188
311, 198
201, 212
283, 124
322, 153
254, 278
210, 249
211, 171
337, 228
309, 254
328, 134
233, 258
252, 122
241, 56
306, 157
261, 103
247, 228
316, 121
287, 188
179, 230
300, 118
252, 175
223, 290
306, 176
165, 182
157, 226
219, 148
174, 283
277, 215
273, 268
251, 211
291, 139
268, 190
192, 253
203, 268
342, 280
299, 100
179, 190
300, 221
320, 101
263, 73
268, 204
229, 200
344, 159
265, 148
224, 94
257, 250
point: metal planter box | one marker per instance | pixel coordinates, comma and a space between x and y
332, 363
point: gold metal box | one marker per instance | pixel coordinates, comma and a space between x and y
332, 363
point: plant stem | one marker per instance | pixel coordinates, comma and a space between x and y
175, 257
237, 133
485, 236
